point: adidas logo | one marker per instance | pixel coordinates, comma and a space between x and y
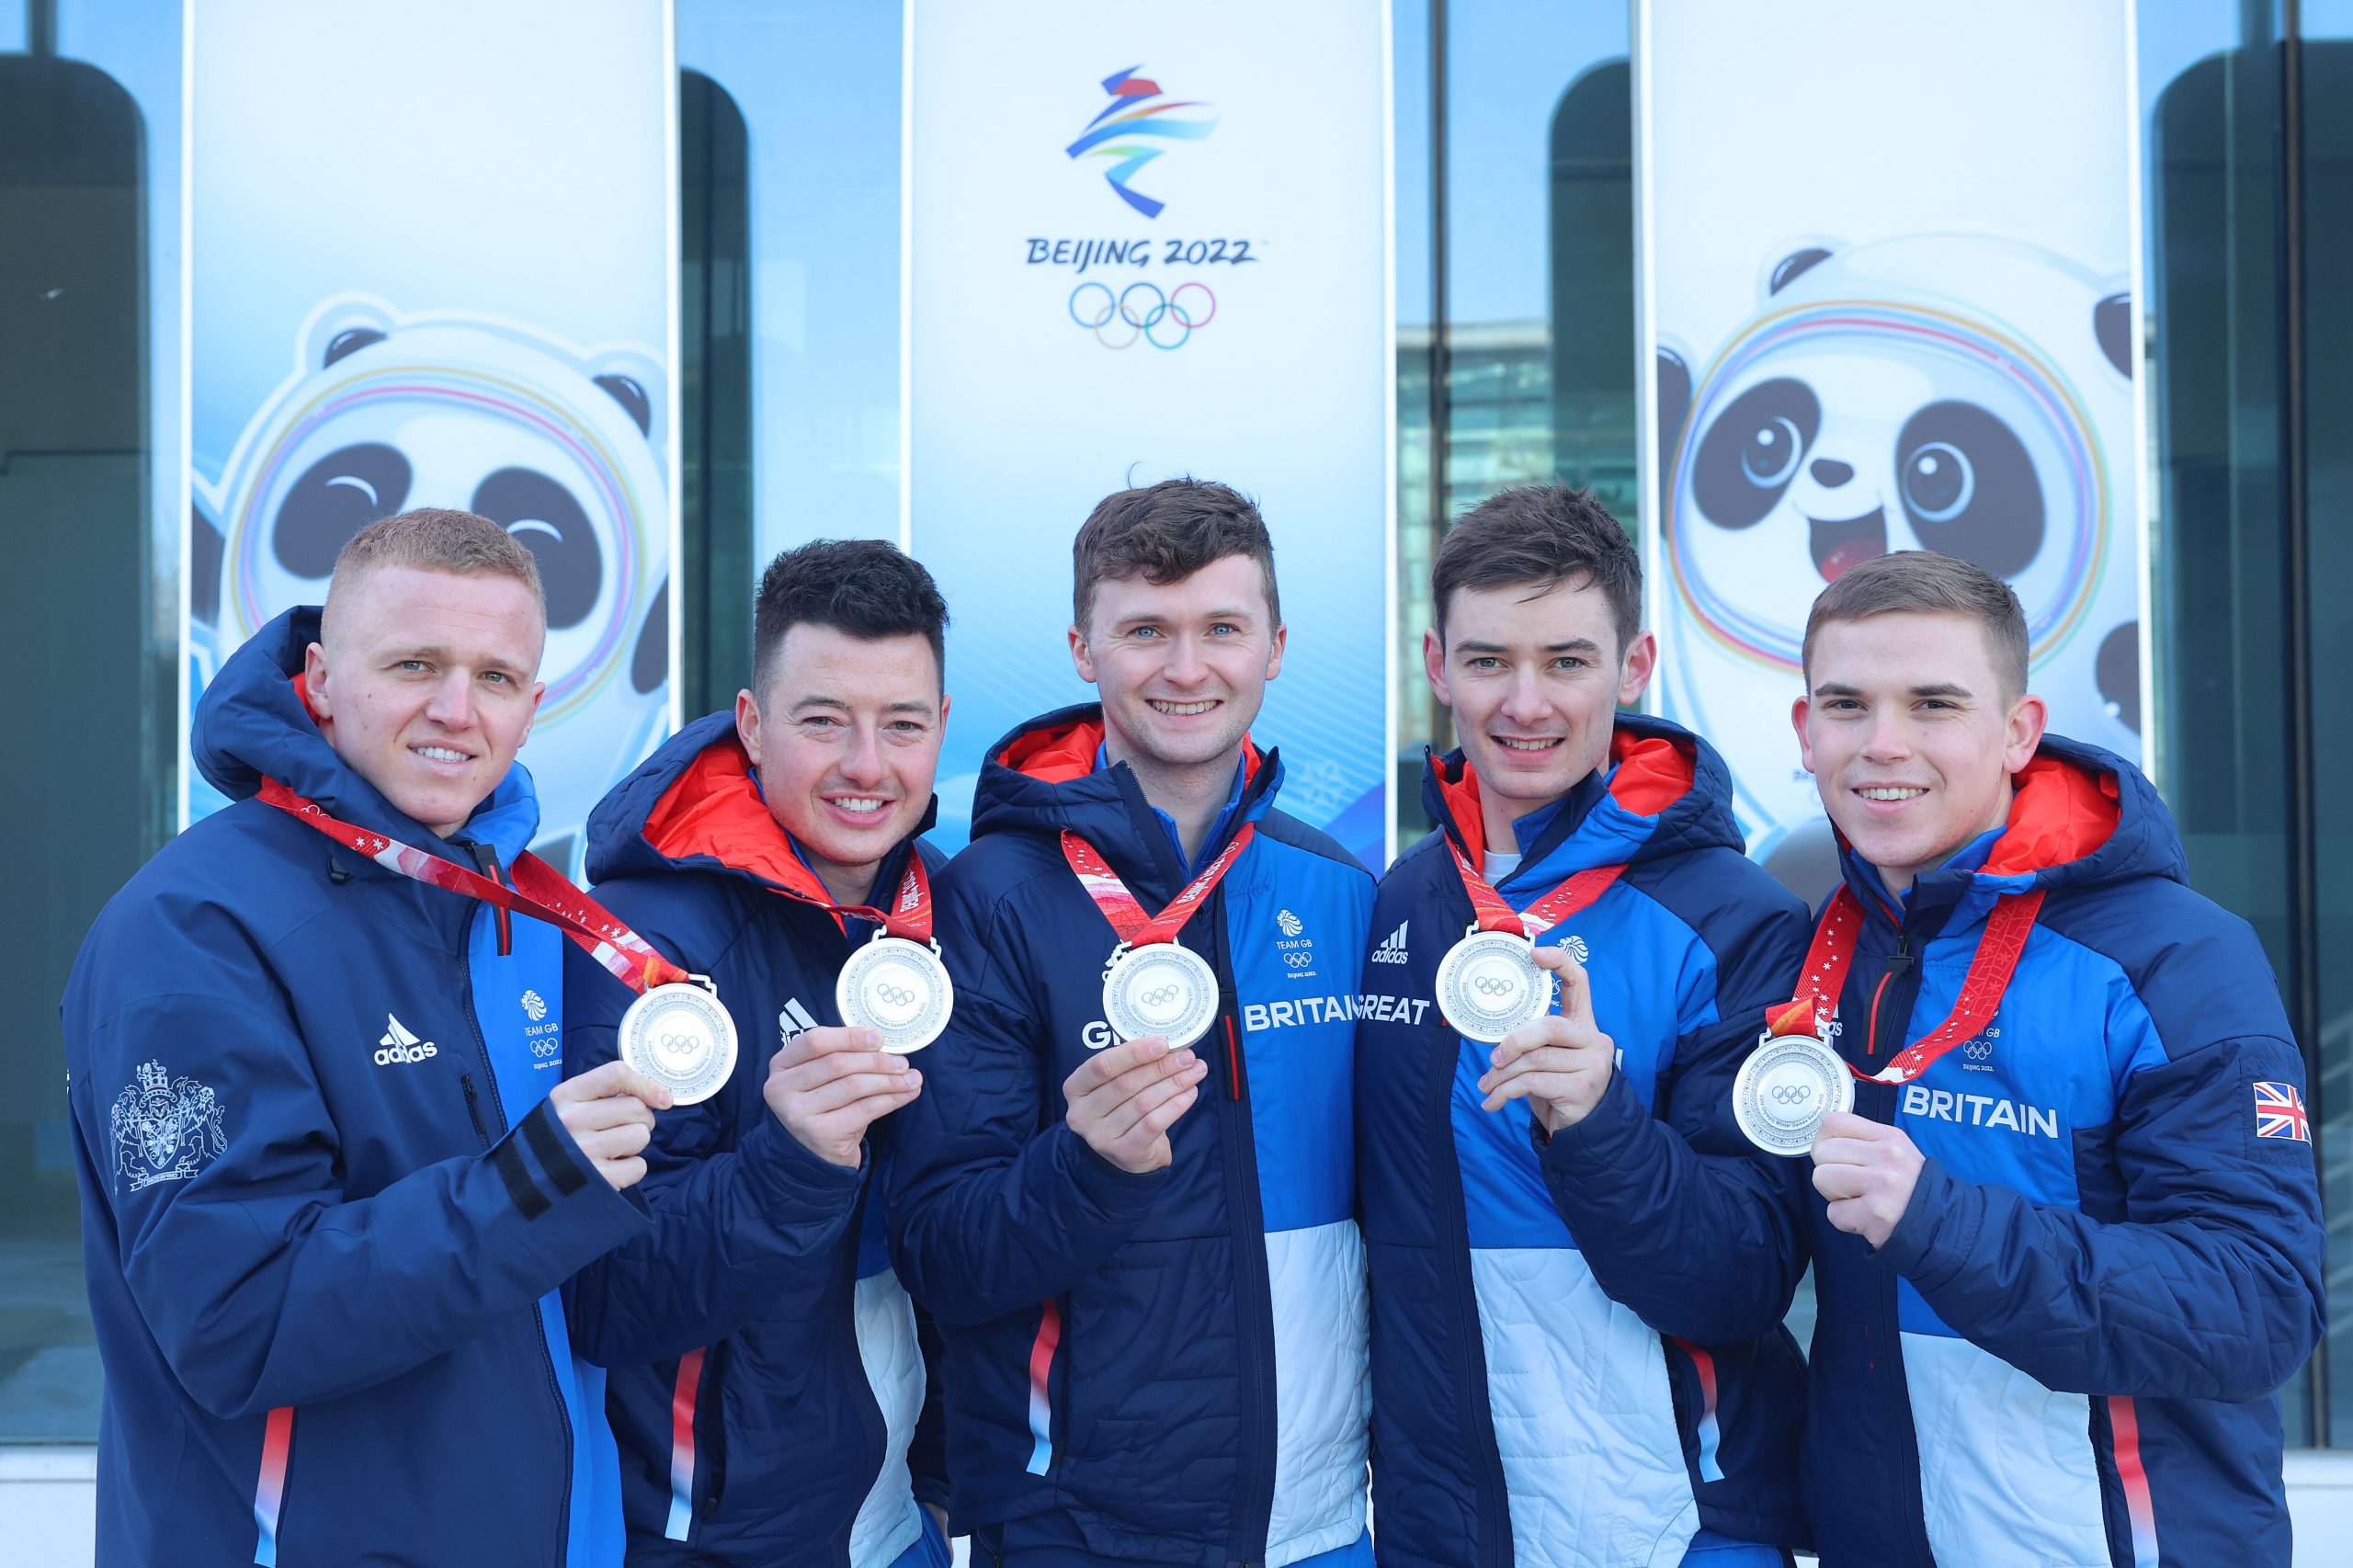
400, 1046
793, 1021
1393, 945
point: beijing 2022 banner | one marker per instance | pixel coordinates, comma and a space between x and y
431, 265
1887, 280
1142, 244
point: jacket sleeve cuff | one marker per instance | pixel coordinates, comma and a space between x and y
1117, 1197
1613, 1136
1933, 1240
794, 1184
547, 1173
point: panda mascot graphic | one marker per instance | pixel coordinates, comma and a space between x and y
1960, 393
386, 411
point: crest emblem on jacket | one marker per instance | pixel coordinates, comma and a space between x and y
165, 1129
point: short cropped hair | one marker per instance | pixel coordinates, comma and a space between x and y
1539, 536
1164, 533
1921, 582
862, 587
434, 539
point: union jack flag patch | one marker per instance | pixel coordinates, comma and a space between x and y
2279, 1112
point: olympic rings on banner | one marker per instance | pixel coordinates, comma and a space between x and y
1164, 320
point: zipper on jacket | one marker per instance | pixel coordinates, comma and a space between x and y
1253, 1292
1899, 969
486, 862
547, 1356
1491, 1493
1893, 999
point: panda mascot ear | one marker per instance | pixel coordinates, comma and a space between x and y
348, 341
1674, 404
2112, 325
631, 397
1793, 266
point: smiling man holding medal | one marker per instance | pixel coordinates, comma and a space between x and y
1126, 1190
2068, 1240
331, 1179
1578, 1266
768, 1377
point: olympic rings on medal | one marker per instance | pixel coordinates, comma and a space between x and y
1145, 311
1491, 985
678, 1044
897, 995
1161, 997
1791, 1094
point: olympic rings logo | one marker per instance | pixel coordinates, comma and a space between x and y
678, 1044
1161, 997
1165, 321
897, 995
1488, 985
1791, 1093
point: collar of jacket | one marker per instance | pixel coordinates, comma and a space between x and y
1041, 779
2080, 818
694, 806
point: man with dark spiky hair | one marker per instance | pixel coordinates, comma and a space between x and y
768, 1381
1142, 1250
1579, 1267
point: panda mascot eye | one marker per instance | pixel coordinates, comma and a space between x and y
550, 521
337, 496
1752, 451
1970, 488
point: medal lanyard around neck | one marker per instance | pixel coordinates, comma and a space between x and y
1577, 892
541, 891
1990, 969
908, 917
1119, 906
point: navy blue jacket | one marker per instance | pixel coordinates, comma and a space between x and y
767, 1378
1577, 1356
1114, 1342
321, 1221
2111, 1261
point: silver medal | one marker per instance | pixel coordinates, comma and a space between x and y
1159, 989
679, 1036
897, 988
1488, 985
1787, 1088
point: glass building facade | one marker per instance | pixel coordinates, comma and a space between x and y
1515, 362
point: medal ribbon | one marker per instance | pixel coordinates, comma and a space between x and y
541, 891
1990, 969
1576, 894
909, 914
1119, 906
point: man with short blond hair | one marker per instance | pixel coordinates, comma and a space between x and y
331, 1184
2067, 1244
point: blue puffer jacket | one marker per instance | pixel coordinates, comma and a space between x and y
1115, 1343
768, 1379
2111, 1261
319, 1262
1577, 1356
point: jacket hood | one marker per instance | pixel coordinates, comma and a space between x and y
1668, 793
1041, 779
254, 722
2081, 818
695, 806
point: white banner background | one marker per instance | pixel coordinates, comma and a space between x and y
1020, 418
1892, 209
